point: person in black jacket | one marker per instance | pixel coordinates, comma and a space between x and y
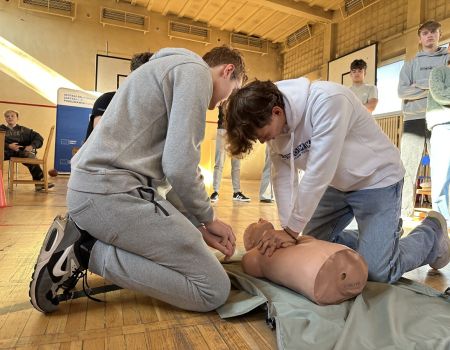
22, 142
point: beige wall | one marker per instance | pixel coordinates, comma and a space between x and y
393, 24
70, 48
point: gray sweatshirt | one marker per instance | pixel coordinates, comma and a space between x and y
438, 108
413, 82
150, 134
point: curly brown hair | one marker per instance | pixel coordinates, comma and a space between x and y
247, 110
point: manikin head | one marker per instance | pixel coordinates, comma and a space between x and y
254, 232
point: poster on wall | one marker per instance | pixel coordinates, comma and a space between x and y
72, 117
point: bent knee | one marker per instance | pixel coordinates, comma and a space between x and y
383, 274
215, 295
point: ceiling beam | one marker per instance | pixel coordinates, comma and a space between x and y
271, 29
197, 17
184, 8
331, 4
257, 25
166, 8
150, 5
218, 11
250, 15
232, 15
299, 9
288, 32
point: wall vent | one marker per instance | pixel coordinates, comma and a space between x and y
299, 36
189, 32
123, 19
352, 7
249, 43
64, 8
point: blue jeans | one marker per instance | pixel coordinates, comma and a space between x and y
440, 169
377, 212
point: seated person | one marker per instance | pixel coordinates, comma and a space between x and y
22, 142
324, 272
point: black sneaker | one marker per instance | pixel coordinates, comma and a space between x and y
266, 200
239, 196
57, 266
214, 197
40, 187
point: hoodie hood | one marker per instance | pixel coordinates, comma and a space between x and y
439, 52
294, 109
295, 104
170, 51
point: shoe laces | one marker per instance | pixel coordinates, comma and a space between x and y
72, 281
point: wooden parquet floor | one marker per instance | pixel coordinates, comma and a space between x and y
127, 320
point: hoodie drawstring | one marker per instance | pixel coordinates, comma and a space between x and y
292, 166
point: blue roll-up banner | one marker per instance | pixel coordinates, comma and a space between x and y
72, 117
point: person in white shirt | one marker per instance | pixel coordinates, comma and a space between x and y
350, 169
367, 94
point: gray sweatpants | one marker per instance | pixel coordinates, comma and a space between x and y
142, 248
414, 140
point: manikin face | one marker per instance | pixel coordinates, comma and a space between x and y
274, 128
254, 232
429, 39
223, 84
357, 75
11, 118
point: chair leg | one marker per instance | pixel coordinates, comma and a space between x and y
45, 178
17, 172
11, 176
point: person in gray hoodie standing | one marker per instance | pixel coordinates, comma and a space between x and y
438, 122
413, 90
136, 187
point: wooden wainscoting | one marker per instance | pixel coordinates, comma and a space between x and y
392, 126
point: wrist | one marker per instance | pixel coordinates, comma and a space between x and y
291, 233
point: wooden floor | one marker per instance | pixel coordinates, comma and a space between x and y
127, 320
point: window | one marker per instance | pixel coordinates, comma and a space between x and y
387, 84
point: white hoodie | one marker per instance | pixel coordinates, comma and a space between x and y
335, 141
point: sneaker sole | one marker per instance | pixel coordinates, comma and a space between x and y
43, 188
442, 261
56, 239
241, 200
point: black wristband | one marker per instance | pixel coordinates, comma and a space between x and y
284, 229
